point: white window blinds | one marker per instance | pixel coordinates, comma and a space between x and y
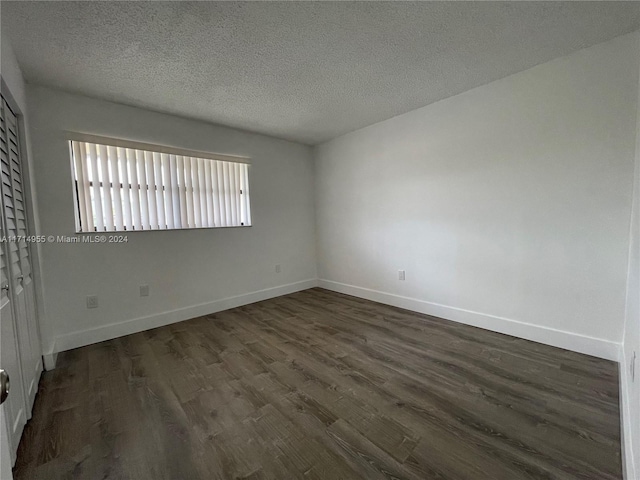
129, 189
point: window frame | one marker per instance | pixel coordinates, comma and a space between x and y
130, 186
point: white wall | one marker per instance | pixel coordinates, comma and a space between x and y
508, 205
11, 72
187, 270
631, 383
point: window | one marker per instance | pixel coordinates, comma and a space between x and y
121, 188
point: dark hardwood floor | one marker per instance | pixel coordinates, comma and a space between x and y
319, 385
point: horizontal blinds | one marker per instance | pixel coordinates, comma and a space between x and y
125, 189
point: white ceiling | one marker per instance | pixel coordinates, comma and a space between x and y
305, 71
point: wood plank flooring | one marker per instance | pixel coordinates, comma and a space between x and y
319, 385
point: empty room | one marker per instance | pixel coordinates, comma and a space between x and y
320, 240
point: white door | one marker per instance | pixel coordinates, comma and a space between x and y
14, 408
20, 354
20, 271
5, 454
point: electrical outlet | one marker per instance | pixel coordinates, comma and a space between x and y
632, 367
144, 290
278, 268
401, 275
92, 301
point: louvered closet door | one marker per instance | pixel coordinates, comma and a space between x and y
21, 285
15, 407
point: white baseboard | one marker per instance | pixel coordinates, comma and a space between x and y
628, 461
557, 338
115, 330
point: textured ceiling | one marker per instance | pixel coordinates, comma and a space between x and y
305, 71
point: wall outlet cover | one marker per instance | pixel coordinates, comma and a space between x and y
92, 301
